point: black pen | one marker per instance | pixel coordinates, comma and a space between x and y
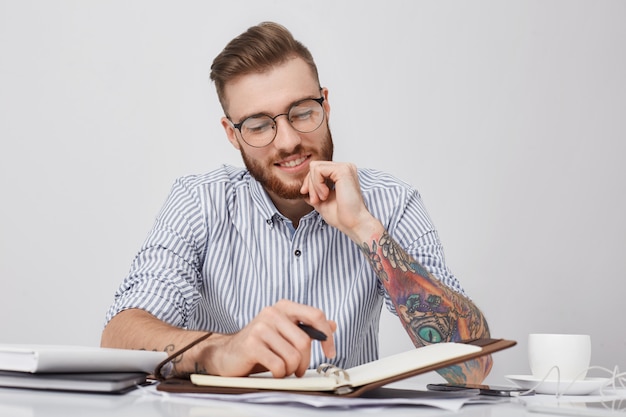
312, 332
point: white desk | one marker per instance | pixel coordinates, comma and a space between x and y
22, 403
137, 403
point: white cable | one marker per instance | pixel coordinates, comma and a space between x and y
616, 380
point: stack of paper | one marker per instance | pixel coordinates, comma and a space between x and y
75, 368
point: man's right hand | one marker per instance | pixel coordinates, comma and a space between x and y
272, 341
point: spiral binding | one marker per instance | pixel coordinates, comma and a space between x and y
336, 372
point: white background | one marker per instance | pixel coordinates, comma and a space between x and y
508, 116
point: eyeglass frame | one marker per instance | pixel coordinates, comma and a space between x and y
237, 126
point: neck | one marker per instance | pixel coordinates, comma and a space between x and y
293, 209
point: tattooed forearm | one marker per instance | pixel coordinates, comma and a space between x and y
175, 361
198, 368
430, 311
468, 372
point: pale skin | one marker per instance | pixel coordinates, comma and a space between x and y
272, 341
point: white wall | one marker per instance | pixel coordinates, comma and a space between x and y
509, 117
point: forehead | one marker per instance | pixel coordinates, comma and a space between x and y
270, 91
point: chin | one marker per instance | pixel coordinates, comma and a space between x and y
283, 190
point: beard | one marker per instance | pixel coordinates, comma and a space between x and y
276, 186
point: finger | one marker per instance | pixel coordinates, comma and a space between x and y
327, 327
328, 345
299, 313
268, 360
277, 355
305, 185
288, 348
309, 191
249, 351
305, 358
297, 355
316, 181
320, 177
314, 195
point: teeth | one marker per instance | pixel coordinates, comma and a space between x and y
293, 163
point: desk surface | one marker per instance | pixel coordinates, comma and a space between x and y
18, 403
138, 403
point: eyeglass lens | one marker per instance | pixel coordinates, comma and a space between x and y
305, 117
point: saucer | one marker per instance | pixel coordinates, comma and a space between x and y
564, 387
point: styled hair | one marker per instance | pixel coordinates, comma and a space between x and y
258, 49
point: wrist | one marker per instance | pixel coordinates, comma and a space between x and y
190, 358
209, 355
367, 230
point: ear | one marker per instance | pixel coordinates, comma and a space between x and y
230, 133
326, 104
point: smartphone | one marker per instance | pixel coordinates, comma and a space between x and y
499, 391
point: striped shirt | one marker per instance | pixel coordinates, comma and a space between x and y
220, 251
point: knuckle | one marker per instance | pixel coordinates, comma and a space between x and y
292, 363
281, 303
302, 344
257, 332
269, 313
277, 367
318, 315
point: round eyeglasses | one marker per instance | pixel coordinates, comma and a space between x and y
259, 130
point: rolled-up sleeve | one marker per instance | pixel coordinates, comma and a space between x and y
166, 273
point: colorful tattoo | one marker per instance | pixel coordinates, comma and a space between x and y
429, 311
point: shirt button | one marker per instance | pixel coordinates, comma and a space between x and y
297, 252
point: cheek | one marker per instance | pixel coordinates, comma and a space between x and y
255, 155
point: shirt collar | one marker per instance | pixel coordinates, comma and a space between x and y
266, 206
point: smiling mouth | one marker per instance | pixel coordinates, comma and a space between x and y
293, 163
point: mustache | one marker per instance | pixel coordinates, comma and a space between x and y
297, 150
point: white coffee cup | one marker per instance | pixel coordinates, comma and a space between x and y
570, 352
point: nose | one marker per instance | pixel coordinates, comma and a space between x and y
287, 137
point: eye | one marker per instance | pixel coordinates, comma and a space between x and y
256, 125
298, 114
429, 334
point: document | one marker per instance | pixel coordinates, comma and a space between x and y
377, 398
59, 358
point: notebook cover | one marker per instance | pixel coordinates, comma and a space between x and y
179, 385
94, 382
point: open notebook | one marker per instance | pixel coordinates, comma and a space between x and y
329, 380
